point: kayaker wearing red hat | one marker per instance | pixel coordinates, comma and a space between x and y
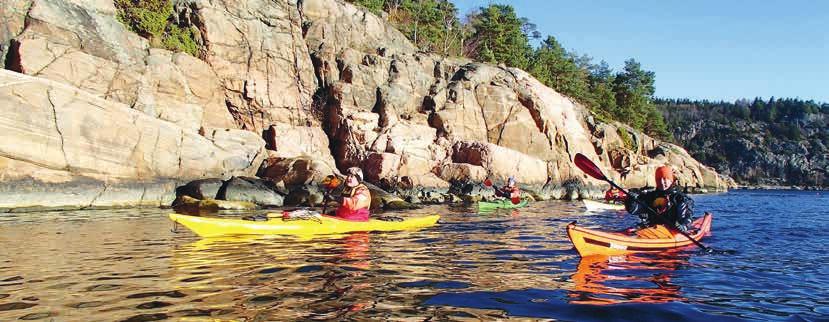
674, 206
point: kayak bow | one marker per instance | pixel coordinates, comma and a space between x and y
601, 206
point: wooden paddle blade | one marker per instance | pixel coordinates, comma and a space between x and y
583, 163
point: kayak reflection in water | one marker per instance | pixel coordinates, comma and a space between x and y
602, 280
348, 289
673, 206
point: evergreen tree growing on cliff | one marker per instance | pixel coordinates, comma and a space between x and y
552, 66
498, 37
601, 80
375, 6
633, 88
432, 25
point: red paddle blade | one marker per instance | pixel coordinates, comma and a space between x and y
516, 200
588, 167
488, 182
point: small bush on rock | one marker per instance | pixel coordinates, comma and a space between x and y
154, 20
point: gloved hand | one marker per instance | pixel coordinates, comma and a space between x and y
643, 217
633, 195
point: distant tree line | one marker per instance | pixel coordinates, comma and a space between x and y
496, 34
771, 110
784, 116
756, 141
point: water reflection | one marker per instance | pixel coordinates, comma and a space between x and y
512, 264
602, 280
329, 277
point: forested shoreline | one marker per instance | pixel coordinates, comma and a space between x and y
774, 142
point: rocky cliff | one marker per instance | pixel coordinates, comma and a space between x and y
93, 115
789, 152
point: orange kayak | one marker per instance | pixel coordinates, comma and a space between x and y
594, 242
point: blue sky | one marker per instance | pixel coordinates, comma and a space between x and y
699, 49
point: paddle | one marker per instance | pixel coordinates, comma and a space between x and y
583, 163
329, 184
488, 183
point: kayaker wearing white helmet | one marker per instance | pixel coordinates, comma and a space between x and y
510, 191
356, 199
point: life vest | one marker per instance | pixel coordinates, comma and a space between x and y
508, 192
350, 207
614, 195
515, 193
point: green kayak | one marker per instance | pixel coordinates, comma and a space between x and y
500, 204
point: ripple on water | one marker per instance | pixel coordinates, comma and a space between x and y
103, 287
147, 317
83, 305
434, 284
173, 294
195, 279
309, 269
198, 312
153, 305
263, 299
16, 306
38, 316
271, 270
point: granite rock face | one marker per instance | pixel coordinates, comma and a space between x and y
57, 135
320, 84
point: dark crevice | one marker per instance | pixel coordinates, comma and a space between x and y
13, 60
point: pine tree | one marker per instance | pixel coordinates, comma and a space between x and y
498, 38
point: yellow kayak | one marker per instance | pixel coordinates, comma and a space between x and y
213, 227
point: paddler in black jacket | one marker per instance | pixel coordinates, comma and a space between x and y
675, 208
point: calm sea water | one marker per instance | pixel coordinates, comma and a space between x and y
128, 265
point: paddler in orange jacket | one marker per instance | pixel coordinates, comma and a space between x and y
356, 199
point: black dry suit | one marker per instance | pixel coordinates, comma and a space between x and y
673, 206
